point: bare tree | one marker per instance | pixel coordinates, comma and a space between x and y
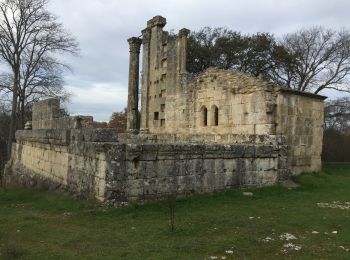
336, 137
4, 123
309, 60
337, 114
321, 60
30, 41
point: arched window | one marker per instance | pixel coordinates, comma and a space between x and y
215, 114
204, 117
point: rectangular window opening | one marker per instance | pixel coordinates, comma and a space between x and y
156, 115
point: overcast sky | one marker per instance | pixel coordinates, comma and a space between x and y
99, 79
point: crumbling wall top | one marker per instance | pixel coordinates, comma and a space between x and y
46, 109
156, 21
47, 114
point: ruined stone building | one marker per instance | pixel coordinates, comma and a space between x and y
219, 103
216, 131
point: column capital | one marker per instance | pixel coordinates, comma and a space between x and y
158, 20
184, 32
134, 44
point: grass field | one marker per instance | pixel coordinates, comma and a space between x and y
44, 225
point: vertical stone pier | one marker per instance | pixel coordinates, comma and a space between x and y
133, 88
153, 56
146, 37
182, 55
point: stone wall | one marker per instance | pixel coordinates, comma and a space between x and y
47, 114
300, 118
116, 168
86, 162
155, 170
72, 160
244, 105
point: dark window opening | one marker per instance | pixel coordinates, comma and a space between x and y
136, 163
156, 115
205, 116
216, 115
162, 107
162, 122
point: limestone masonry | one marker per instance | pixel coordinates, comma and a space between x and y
219, 130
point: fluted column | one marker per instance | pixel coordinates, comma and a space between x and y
133, 88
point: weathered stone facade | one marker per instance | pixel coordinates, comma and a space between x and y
220, 130
222, 102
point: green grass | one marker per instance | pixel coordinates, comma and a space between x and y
43, 225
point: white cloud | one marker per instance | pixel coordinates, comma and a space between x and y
100, 100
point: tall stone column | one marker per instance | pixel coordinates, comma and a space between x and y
182, 59
146, 37
182, 55
133, 88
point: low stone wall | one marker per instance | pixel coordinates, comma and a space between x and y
93, 163
153, 170
60, 159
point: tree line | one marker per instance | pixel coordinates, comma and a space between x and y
336, 138
308, 60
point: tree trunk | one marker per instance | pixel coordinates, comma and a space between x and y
21, 112
13, 122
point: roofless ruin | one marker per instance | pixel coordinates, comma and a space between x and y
220, 130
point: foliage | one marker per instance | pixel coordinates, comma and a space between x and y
322, 59
308, 60
336, 146
43, 224
100, 125
223, 48
118, 121
336, 137
337, 114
